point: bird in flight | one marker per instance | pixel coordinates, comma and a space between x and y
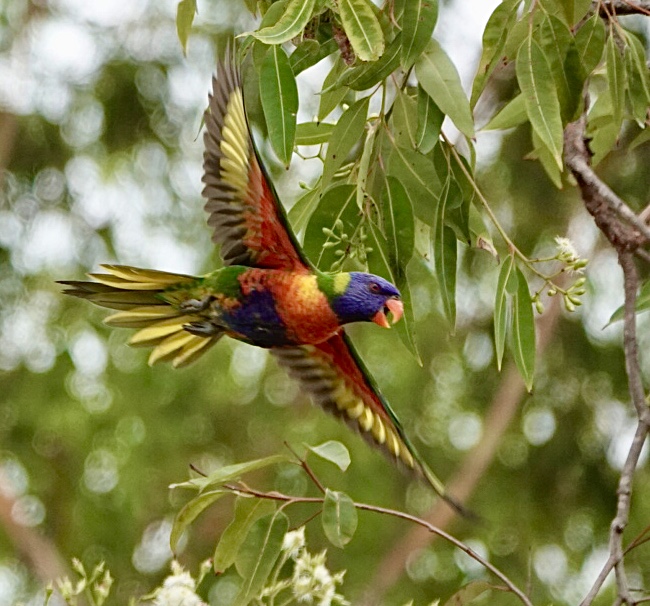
267, 294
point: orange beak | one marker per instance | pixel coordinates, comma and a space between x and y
395, 307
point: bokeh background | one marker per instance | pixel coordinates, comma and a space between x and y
100, 161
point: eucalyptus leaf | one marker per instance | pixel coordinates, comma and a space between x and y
258, 555
430, 120
511, 115
332, 94
362, 28
438, 77
334, 452
418, 20
540, 96
185, 12
296, 16
190, 512
616, 78
404, 120
345, 135
501, 308
309, 53
339, 518
279, 97
313, 133
302, 210
247, 512
523, 331
365, 75
590, 42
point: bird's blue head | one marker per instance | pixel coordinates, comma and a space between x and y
361, 297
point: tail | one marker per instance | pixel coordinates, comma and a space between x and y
153, 302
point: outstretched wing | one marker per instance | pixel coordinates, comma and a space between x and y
247, 218
337, 380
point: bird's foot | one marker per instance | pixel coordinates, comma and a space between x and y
203, 329
196, 305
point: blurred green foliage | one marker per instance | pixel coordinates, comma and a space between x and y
104, 164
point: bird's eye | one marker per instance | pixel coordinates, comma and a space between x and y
374, 287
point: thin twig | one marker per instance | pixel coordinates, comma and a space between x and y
289, 500
308, 470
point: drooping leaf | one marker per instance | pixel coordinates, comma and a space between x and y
419, 177
363, 76
616, 78
404, 120
574, 10
542, 104
296, 16
445, 252
642, 304
189, 512
501, 308
332, 95
590, 42
185, 12
279, 97
362, 28
494, 41
247, 512
542, 153
345, 135
258, 555
313, 133
230, 473
637, 77
418, 20
430, 120
438, 77
399, 227
511, 115
365, 162
339, 518
523, 331
334, 452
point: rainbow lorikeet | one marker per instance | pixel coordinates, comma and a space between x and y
267, 294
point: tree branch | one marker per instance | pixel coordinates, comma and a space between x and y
623, 7
276, 496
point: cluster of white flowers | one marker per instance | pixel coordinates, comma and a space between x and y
178, 589
567, 253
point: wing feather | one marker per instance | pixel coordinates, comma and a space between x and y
244, 211
337, 380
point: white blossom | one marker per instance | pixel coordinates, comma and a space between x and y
178, 589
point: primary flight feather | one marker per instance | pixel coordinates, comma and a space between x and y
268, 294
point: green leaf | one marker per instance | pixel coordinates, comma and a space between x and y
419, 177
642, 304
313, 133
511, 115
302, 210
430, 120
366, 75
346, 134
601, 129
404, 120
279, 97
501, 308
258, 555
334, 452
296, 16
542, 104
555, 38
366, 160
339, 518
637, 78
640, 139
230, 473
418, 20
469, 593
438, 77
523, 331
337, 203
310, 52
590, 42
445, 252
494, 42
616, 80
190, 512
399, 227
362, 28
332, 94
247, 512
575, 10
541, 152
184, 18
